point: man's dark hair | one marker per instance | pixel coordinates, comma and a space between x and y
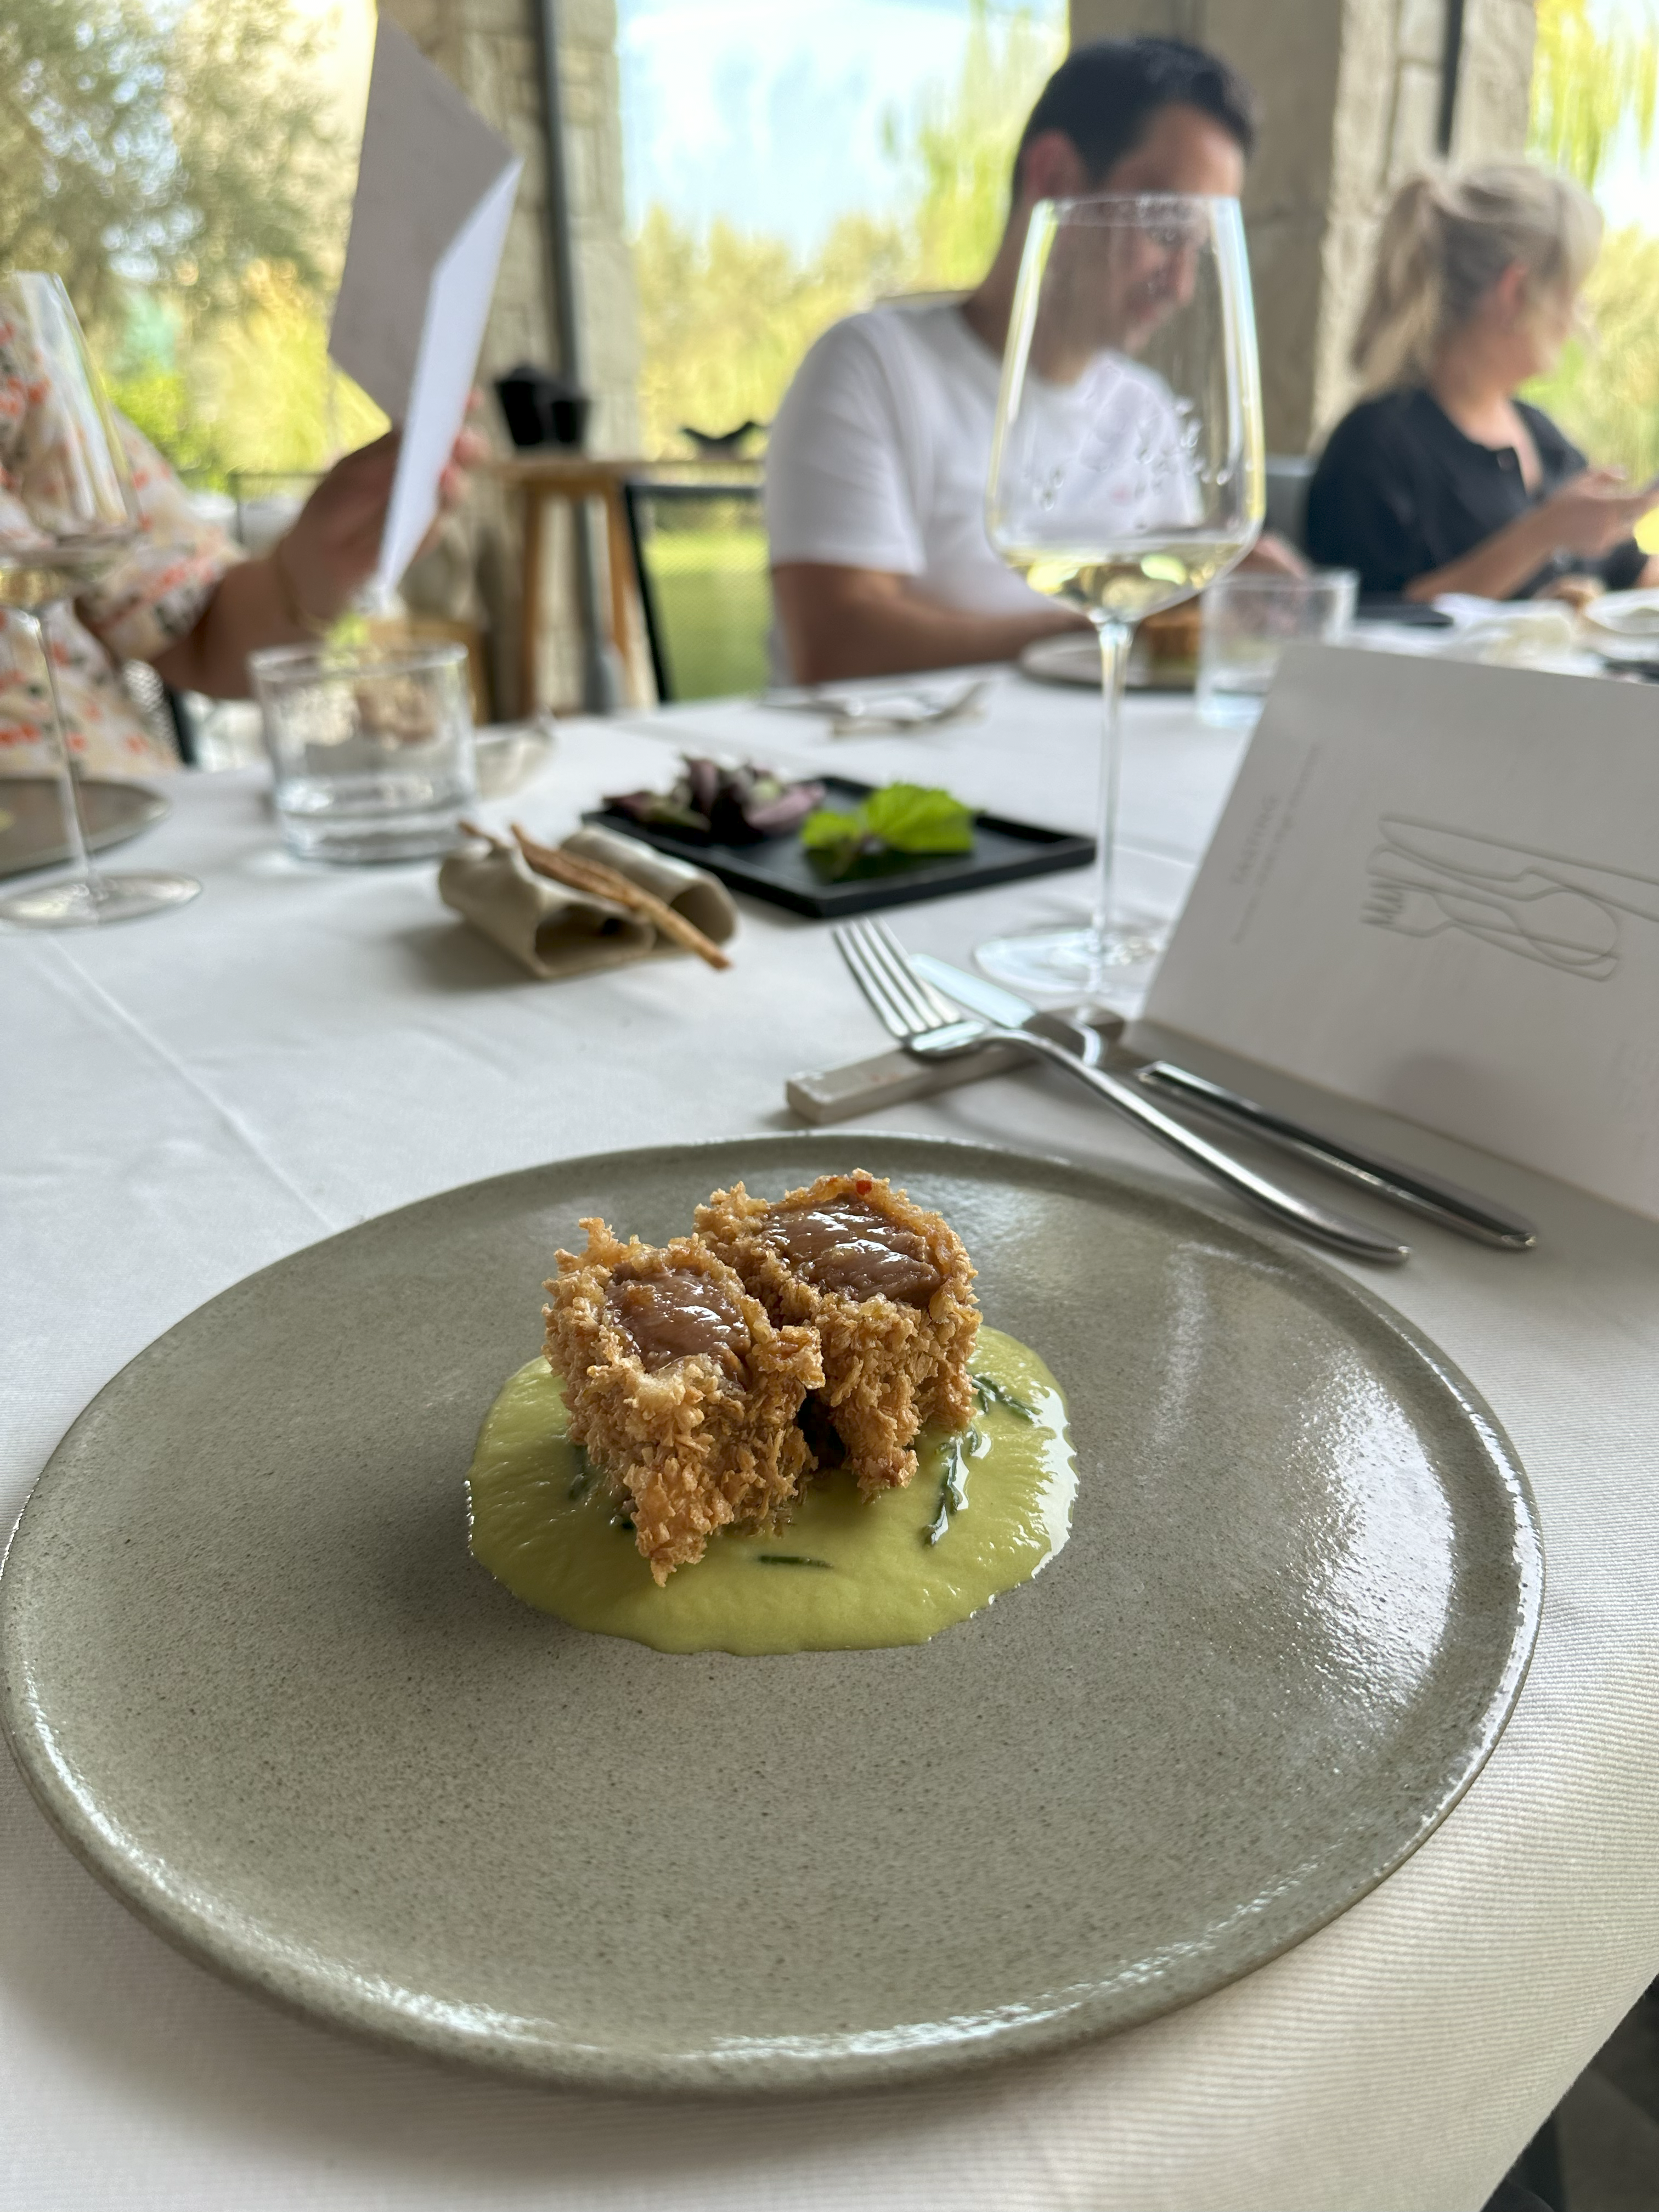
1104, 95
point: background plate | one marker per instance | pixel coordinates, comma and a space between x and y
1073, 657
253, 1674
781, 869
32, 819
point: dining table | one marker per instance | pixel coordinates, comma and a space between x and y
191, 1099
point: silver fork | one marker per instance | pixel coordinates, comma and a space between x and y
894, 712
927, 1025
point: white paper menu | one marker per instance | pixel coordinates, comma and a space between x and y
1434, 887
436, 187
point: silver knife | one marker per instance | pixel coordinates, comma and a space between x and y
1431, 1195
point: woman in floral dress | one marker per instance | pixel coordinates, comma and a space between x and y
184, 600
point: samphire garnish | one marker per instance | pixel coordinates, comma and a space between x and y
989, 1391
953, 1483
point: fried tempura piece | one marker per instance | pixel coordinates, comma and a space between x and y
681, 1388
886, 1285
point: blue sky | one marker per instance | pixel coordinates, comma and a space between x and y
769, 112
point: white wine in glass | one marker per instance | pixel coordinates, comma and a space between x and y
1127, 471
68, 516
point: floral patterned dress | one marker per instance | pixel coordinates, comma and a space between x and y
156, 597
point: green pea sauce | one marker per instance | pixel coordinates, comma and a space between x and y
987, 1508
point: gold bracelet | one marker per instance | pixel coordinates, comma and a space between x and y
313, 625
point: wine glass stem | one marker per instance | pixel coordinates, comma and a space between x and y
74, 828
1114, 639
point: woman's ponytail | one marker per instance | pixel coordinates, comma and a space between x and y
1405, 307
1446, 240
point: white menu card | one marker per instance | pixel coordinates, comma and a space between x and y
1436, 888
436, 187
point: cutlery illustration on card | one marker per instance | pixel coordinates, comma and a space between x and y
1563, 913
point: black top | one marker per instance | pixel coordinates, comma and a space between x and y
1399, 491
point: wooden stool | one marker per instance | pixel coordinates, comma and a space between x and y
579, 478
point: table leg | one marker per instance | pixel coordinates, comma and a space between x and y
530, 610
624, 588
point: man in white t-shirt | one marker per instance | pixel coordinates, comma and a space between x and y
876, 468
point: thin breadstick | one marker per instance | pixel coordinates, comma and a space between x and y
600, 882
485, 836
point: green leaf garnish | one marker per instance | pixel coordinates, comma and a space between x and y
787, 1559
829, 825
908, 819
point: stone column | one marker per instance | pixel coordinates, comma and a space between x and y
488, 48
1494, 82
1354, 95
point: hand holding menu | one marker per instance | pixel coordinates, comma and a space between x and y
436, 187
1436, 888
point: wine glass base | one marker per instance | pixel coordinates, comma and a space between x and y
77, 903
1044, 961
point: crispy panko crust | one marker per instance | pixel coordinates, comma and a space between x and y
888, 1367
700, 1444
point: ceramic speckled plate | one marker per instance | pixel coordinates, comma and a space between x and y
257, 1681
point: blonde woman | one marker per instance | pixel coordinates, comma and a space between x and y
1442, 480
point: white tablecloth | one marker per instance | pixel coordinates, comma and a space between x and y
187, 1099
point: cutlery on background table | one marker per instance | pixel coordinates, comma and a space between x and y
897, 711
1433, 1196
930, 1028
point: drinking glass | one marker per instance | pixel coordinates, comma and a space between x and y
68, 516
1126, 470
372, 747
1248, 621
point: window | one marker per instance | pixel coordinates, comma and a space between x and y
786, 165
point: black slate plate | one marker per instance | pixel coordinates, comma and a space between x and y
781, 869
32, 819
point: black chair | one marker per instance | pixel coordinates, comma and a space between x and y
1533, 2183
1289, 475
699, 554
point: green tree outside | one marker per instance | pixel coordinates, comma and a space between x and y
1591, 83
181, 161
1588, 81
184, 168
725, 319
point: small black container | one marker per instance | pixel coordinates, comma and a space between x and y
541, 409
781, 871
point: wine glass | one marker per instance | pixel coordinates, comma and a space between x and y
1126, 470
68, 516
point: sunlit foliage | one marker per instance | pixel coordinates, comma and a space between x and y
725, 318
1595, 80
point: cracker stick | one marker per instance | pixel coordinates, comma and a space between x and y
600, 882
